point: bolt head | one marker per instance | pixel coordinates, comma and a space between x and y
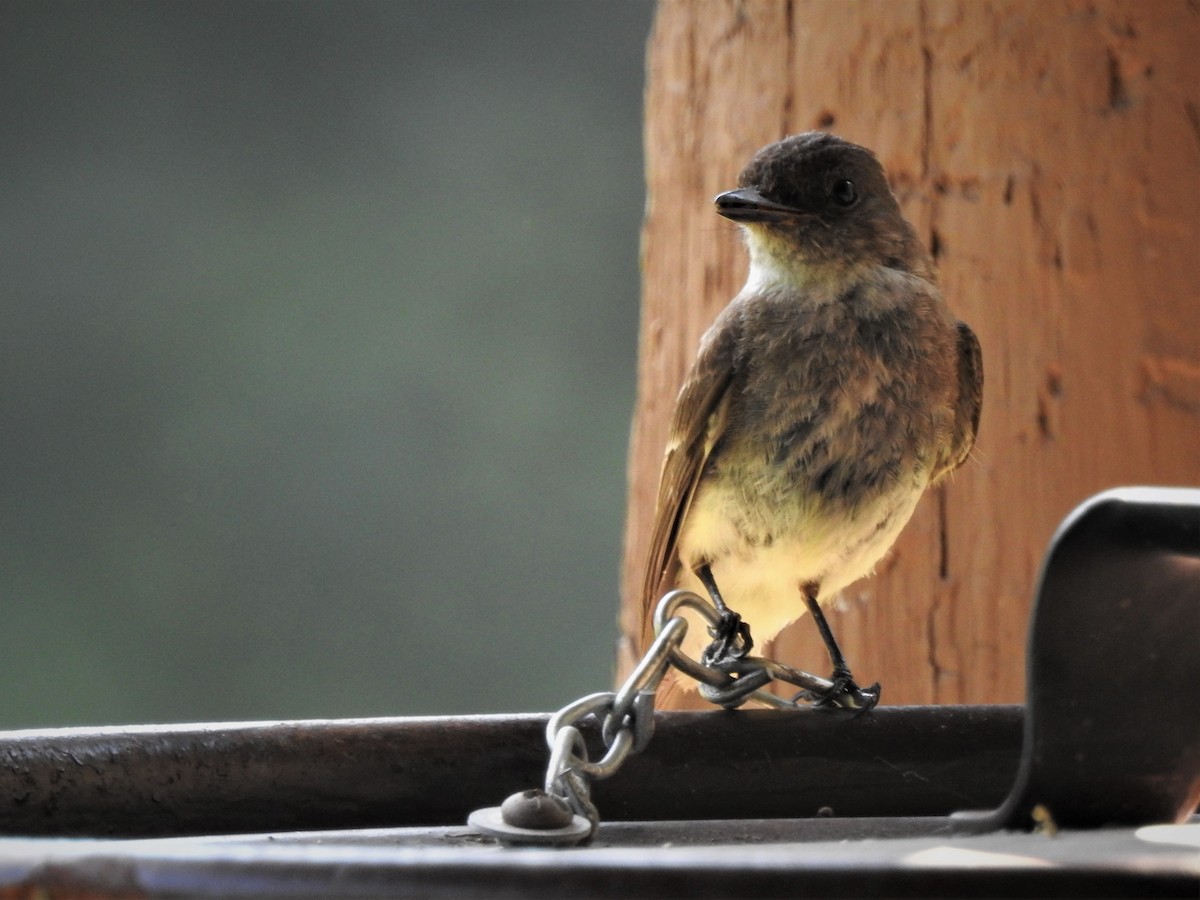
536, 809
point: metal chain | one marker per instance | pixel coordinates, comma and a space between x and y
563, 811
732, 682
626, 716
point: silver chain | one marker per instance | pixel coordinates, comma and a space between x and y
626, 716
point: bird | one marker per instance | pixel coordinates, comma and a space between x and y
829, 394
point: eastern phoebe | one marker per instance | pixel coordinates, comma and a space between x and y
829, 393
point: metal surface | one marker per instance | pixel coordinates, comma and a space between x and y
822, 858
625, 717
174, 780
493, 823
1113, 726
1112, 736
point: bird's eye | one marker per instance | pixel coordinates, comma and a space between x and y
845, 193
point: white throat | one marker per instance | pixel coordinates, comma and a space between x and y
774, 269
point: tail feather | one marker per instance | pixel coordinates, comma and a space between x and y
677, 692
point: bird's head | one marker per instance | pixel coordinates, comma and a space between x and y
815, 206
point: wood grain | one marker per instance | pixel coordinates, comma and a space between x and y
1050, 153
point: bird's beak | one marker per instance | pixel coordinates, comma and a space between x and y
748, 205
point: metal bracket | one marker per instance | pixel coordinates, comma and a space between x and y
1112, 722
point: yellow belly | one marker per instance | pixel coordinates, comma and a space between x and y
762, 582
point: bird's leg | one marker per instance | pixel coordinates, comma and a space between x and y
808, 591
844, 693
731, 636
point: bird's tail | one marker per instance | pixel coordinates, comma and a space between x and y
677, 691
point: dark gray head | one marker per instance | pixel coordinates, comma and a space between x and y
822, 201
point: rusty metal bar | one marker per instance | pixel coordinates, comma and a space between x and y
228, 778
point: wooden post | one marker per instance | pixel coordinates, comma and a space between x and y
1050, 154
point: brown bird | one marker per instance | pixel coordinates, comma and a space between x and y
825, 398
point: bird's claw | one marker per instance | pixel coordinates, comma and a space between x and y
731, 640
843, 694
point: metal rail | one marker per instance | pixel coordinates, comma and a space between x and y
198, 779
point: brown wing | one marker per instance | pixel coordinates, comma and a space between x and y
967, 405
698, 422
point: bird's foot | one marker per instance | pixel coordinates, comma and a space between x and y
844, 694
731, 640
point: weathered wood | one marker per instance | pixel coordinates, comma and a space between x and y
1050, 153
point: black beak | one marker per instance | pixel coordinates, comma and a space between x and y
748, 205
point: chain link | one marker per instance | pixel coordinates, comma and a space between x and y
732, 682
626, 716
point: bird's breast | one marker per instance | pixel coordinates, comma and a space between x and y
760, 560
828, 442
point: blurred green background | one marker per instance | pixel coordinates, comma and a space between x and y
317, 355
